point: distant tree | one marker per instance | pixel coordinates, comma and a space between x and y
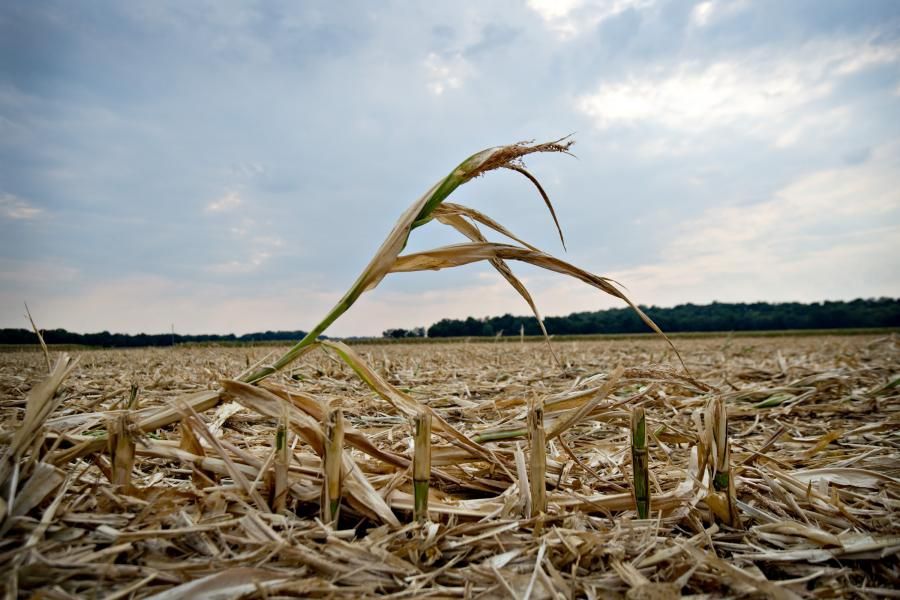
403, 333
717, 316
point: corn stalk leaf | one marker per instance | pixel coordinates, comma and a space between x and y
403, 402
418, 214
462, 254
455, 219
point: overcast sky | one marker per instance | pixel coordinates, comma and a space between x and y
232, 166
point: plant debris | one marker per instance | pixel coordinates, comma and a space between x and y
222, 491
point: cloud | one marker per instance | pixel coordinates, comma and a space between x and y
706, 13
568, 18
702, 13
15, 208
820, 123
830, 234
253, 262
700, 98
225, 203
866, 57
445, 73
550, 10
763, 93
256, 244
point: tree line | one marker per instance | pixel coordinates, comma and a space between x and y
718, 316
124, 340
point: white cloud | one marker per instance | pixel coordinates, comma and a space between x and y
696, 97
763, 94
550, 10
225, 203
665, 146
254, 242
819, 124
13, 207
706, 13
831, 234
253, 262
568, 18
271, 241
243, 227
445, 73
701, 13
866, 57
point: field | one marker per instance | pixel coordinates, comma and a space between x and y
145, 476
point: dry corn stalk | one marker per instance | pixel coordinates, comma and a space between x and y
721, 498
40, 338
133, 397
121, 450
190, 443
42, 400
431, 206
282, 462
640, 463
537, 441
421, 465
334, 450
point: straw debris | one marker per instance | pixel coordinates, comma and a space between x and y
820, 523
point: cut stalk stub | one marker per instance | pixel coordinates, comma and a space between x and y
537, 440
282, 462
722, 499
133, 397
334, 451
640, 462
718, 423
421, 465
121, 450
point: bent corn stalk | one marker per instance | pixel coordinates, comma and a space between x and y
429, 207
418, 214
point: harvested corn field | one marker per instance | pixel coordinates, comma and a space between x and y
772, 471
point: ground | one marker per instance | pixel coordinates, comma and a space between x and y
812, 425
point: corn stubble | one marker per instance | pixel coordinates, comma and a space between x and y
640, 463
421, 464
423, 470
333, 463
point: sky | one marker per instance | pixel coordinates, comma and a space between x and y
229, 167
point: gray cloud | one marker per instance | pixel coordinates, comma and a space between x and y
122, 124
